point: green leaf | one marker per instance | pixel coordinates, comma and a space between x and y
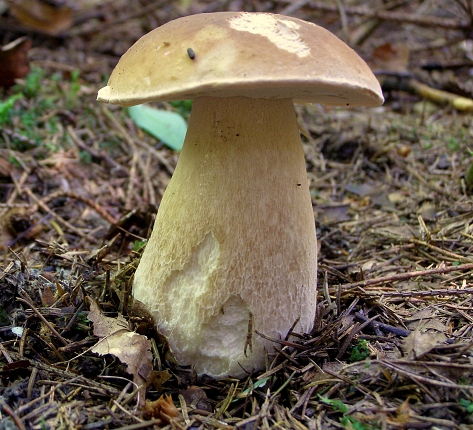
169, 127
138, 244
7, 106
261, 382
467, 405
338, 405
257, 384
360, 351
4, 320
182, 107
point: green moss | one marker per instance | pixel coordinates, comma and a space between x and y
360, 351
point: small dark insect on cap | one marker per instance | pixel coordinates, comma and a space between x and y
191, 53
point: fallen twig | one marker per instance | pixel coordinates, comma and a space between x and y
13, 416
45, 321
428, 21
95, 206
415, 274
385, 327
405, 82
59, 218
423, 379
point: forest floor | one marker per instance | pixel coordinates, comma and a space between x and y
392, 186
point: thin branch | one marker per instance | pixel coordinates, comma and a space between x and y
427, 21
414, 274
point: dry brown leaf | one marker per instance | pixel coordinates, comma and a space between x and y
404, 415
195, 397
159, 378
14, 61
402, 231
428, 211
425, 319
117, 339
423, 314
362, 190
6, 168
436, 325
17, 224
42, 16
47, 296
392, 57
396, 197
424, 325
333, 214
417, 344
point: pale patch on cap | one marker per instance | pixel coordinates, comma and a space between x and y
283, 33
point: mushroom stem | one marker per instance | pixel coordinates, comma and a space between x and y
233, 248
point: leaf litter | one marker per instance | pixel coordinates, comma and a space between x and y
130, 348
392, 341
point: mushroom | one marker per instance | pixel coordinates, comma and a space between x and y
231, 265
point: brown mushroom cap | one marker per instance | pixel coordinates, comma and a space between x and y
256, 55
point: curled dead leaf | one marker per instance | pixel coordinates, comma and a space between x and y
16, 225
403, 417
117, 339
333, 214
47, 296
195, 397
392, 57
14, 61
159, 378
42, 16
417, 344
